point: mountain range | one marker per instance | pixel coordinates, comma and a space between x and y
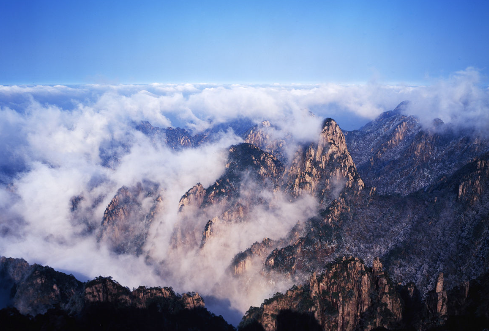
391, 233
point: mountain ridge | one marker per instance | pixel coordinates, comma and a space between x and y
395, 191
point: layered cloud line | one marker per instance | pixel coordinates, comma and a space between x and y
458, 98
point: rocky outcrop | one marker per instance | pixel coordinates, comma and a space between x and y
325, 168
33, 289
269, 139
128, 216
327, 171
249, 171
106, 290
436, 303
242, 261
346, 296
259, 251
245, 162
41, 298
193, 197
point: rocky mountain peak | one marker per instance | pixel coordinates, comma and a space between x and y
266, 137
33, 289
127, 218
244, 157
193, 197
397, 154
332, 134
325, 168
202, 210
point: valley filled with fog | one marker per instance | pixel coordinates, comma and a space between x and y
68, 150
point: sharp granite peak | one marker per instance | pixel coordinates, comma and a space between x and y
384, 227
325, 168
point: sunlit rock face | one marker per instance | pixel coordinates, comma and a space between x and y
249, 170
397, 154
257, 254
346, 296
245, 163
269, 139
128, 216
323, 169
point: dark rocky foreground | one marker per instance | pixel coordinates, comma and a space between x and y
347, 295
35, 297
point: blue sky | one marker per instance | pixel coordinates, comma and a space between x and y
70, 42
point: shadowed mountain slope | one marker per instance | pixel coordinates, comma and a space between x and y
396, 154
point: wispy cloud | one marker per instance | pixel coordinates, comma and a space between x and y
50, 152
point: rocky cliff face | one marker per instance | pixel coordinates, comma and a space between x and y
106, 290
245, 163
396, 154
249, 171
33, 289
346, 296
128, 217
269, 139
325, 168
418, 235
326, 171
442, 229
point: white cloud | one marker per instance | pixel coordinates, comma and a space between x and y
459, 100
51, 141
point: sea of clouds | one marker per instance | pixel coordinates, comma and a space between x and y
50, 143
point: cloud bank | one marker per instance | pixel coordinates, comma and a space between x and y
51, 151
